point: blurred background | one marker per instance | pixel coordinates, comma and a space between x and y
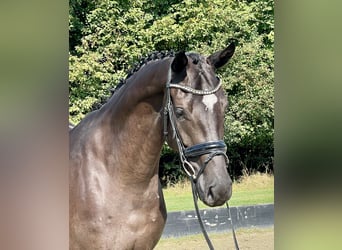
38, 81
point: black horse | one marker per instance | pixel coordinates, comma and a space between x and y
116, 200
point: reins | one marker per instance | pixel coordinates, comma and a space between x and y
213, 148
195, 198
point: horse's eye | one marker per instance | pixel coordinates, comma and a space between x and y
218, 78
179, 112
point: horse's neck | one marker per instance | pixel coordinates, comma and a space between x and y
134, 118
145, 85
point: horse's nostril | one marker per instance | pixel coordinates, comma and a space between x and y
210, 195
217, 195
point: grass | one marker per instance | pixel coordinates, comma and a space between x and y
253, 239
249, 190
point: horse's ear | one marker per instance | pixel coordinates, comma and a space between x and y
179, 62
220, 58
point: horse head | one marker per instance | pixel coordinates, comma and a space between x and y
196, 122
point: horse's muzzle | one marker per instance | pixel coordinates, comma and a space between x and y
213, 184
217, 195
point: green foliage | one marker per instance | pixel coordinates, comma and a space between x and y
249, 121
108, 36
79, 10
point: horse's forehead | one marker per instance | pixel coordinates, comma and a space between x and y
209, 102
202, 105
199, 65
201, 75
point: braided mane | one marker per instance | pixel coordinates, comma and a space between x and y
156, 55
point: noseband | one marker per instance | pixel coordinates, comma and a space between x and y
211, 148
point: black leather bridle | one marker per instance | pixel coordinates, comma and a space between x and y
211, 148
